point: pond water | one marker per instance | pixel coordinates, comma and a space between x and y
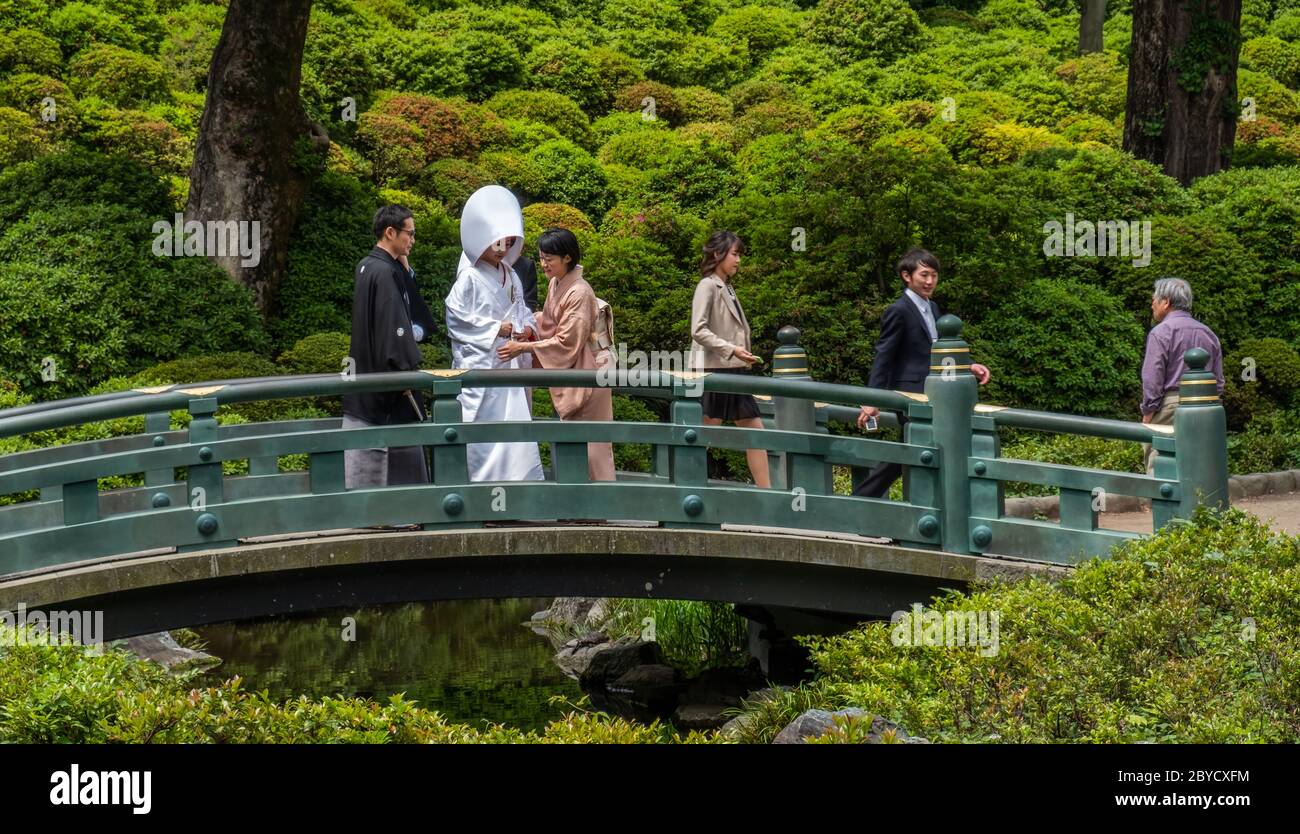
470, 660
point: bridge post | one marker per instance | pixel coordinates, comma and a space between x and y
1201, 437
790, 361
953, 393
205, 476
158, 423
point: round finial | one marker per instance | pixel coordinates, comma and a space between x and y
691, 436
206, 524
450, 435
205, 453
982, 536
927, 457
1197, 358
981, 468
692, 505
160, 499
927, 526
788, 335
159, 440
453, 504
1166, 490
949, 326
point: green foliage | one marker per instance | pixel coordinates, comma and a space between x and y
21, 138
319, 353
1185, 637
1274, 57
548, 108
65, 694
569, 175
1070, 450
452, 181
28, 50
693, 636
1061, 346
884, 29
117, 75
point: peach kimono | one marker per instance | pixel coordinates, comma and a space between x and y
564, 331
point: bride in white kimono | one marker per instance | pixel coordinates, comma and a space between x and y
485, 306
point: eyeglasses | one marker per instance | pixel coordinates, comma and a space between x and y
410, 232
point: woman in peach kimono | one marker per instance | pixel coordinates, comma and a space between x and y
567, 339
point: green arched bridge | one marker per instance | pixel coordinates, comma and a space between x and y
191, 543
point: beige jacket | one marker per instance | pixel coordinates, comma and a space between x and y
718, 326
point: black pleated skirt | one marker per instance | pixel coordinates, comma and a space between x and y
729, 407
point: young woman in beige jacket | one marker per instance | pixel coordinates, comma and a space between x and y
720, 341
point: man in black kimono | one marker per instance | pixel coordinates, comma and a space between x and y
383, 340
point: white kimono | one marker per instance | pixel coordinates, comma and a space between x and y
478, 304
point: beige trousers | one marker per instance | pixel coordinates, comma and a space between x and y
1164, 416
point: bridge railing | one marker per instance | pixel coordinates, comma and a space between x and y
955, 477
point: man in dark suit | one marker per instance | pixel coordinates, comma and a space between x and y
902, 361
527, 272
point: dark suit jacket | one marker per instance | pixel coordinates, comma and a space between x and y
902, 360
527, 272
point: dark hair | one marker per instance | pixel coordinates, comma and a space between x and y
718, 247
393, 215
916, 258
561, 242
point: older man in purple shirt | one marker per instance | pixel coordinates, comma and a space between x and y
1175, 333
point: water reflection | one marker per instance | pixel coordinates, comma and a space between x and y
470, 660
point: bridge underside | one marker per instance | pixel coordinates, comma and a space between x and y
760, 568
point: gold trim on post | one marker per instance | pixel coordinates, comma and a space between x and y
790, 356
989, 409
949, 350
444, 372
1199, 382
202, 392
950, 367
789, 370
1162, 429
1213, 399
154, 389
921, 398
688, 374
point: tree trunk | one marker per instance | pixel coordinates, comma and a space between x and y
1090, 24
256, 149
1182, 85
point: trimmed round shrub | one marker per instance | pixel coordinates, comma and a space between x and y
491, 64
618, 123
80, 177
884, 29
762, 29
1274, 57
1061, 346
857, 83
1270, 97
335, 65
21, 137
557, 66
191, 37
705, 61
569, 175
652, 101
641, 149
118, 75
29, 50
151, 141
422, 62
859, 125
1260, 376
319, 353
1014, 14
780, 116
452, 181
394, 146
78, 25
558, 111
1286, 26
663, 224
614, 71
1004, 143
700, 104
1097, 83
451, 128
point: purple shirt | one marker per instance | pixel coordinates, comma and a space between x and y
1164, 365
